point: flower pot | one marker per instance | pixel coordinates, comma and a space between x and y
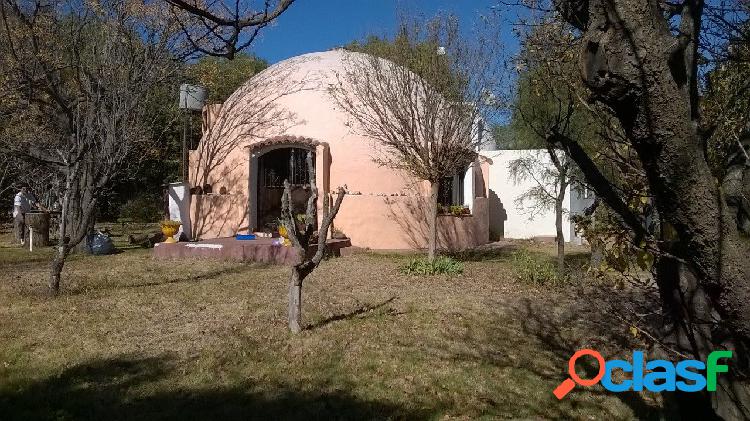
169, 229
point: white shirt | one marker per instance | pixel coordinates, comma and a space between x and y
23, 202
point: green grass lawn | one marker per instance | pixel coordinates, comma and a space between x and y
135, 338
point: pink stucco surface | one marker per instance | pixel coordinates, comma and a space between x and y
400, 222
218, 215
291, 100
260, 250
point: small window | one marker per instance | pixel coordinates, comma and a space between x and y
451, 190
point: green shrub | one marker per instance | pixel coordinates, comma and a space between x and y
441, 265
145, 208
535, 269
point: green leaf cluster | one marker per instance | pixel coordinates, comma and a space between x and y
441, 265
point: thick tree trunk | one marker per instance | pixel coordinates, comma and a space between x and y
634, 64
650, 95
683, 333
295, 301
687, 329
433, 214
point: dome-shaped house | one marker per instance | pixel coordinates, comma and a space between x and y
261, 135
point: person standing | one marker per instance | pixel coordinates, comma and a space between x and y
23, 202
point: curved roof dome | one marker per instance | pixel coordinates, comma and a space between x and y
292, 99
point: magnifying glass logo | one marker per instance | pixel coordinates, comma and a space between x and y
568, 384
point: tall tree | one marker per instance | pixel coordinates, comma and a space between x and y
641, 59
547, 102
422, 108
82, 73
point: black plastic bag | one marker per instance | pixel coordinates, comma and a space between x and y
100, 244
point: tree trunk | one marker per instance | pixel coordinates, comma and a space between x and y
39, 223
686, 308
559, 200
56, 267
295, 300
632, 62
433, 215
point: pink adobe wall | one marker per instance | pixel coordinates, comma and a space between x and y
218, 215
291, 99
399, 222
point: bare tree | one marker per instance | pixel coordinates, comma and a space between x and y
548, 191
422, 109
222, 28
303, 239
85, 74
547, 101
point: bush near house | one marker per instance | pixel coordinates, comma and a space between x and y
535, 269
442, 265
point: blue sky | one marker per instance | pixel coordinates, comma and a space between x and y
319, 25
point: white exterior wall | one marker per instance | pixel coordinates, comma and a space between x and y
507, 219
179, 207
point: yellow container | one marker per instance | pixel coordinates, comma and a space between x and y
169, 229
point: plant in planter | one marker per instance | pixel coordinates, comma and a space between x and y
459, 210
169, 229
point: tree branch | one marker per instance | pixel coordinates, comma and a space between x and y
601, 185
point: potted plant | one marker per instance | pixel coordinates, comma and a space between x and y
169, 229
459, 210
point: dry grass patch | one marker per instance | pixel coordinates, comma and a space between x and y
135, 338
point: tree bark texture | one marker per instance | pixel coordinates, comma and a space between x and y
295, 301
633, 63
56, 267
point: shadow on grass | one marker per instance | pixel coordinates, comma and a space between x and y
349, 315
554, 331
485, 254
213, 275
132, 388
551, 331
